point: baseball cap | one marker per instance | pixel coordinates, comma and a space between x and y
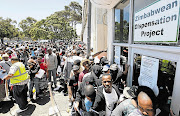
77, 62
105, 68
75, 67
114, 67
104, 60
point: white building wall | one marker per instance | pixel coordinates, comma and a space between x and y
110, 36
98, 29
93, 29
85, 35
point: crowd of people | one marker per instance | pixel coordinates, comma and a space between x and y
94, 87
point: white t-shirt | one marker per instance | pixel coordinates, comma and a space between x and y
111, 99
76, 58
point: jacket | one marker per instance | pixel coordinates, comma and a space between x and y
100, 102
34, 70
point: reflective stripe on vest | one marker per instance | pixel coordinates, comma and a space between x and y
20, 75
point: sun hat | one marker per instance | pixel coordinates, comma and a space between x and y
5, 55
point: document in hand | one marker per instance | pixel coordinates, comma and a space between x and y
2, 75
40, 73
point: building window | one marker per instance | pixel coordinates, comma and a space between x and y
165, 82
122, 22
120, 55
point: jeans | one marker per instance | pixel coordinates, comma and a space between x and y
53, 74
20, 95
34, 81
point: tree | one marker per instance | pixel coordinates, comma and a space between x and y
72, 13
75, 13
8, 29
55, 26
59, 26
122, 31
26, 25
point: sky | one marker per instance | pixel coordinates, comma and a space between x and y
38, 9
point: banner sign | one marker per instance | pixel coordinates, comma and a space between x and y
158, 22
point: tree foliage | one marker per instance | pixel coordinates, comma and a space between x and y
7, 28
59, 25
122, 31
26, 25
72, 13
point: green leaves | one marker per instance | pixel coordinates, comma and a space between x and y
7, 28
58, 25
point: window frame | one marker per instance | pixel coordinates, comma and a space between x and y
171, 53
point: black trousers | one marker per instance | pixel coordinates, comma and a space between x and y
20, 95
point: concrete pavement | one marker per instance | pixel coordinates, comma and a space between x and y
38, 108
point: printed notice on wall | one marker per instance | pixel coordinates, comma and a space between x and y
157, 22
149, 71
117, 55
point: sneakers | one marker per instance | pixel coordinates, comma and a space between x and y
56, 88
66, 94
7, 99
70, 105
20, 110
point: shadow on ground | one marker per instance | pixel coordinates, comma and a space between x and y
60, 89
29, 111
43, 100
5, 106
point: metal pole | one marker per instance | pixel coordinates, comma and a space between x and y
89, 29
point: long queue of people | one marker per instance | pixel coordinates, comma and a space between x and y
94, 87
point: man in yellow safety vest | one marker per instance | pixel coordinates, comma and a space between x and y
19, 79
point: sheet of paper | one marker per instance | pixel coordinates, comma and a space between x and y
149, 72
117, 54
40, 73
2, 75
58, 69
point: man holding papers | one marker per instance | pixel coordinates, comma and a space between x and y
19, 79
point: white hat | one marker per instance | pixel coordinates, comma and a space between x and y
96, 60
54, 49
105, 68
5, 55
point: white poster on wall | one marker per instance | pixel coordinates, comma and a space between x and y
117, 55
149, 72
158, 22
